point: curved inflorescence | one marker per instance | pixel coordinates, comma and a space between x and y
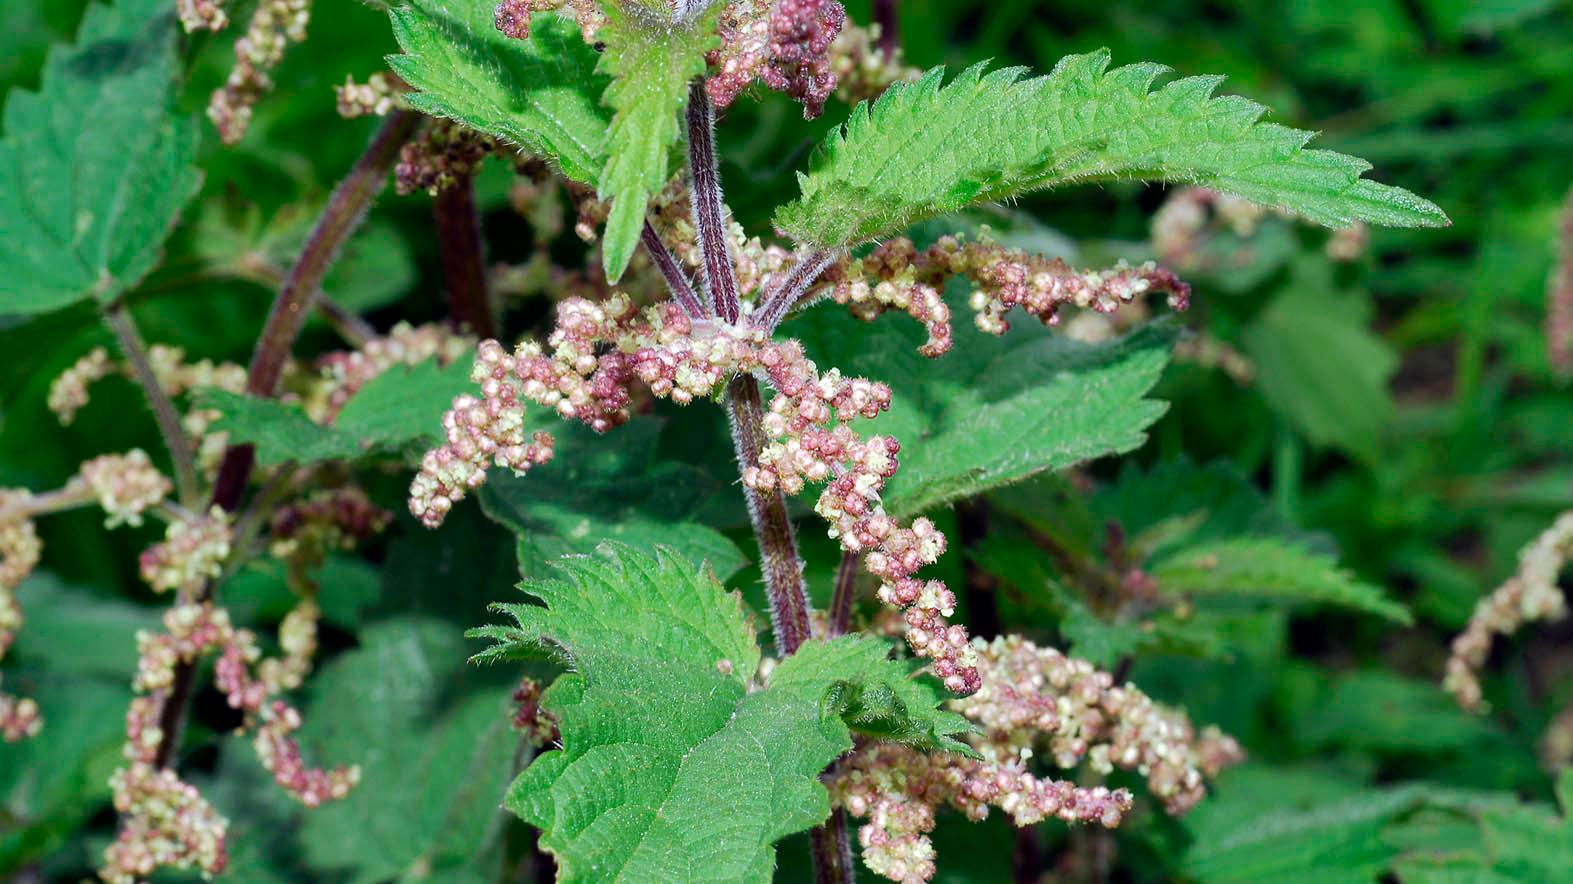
785, 44
896, 276
598, 351
164, 821
1030, 697
1531, 594
273, 28
194, 549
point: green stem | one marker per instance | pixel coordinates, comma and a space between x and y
181, 453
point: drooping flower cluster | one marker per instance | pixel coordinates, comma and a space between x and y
1031, 697
165, 822
1529, 595
68, 393
194, 549
441, 155
19, 553
274, 26
895, 276
598, 350
785, 44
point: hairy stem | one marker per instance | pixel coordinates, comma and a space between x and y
716, 273
676, 280
832, 847
463, 266
780, 299
181, 453
343, 214
845, 592
783, 569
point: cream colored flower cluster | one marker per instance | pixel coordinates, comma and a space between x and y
274, 26
1531, 594
1031, 697
165, 822
194, 549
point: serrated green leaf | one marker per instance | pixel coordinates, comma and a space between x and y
1271, 568
542, 94
95, 166
675, 765
74, 631
432, 739
280, 431
1382, 712
651, 57
996, 410
925, 149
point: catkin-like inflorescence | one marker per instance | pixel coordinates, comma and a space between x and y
304, 532
377, 97
68, 393
1030, 697
202, 15
164, 821
896, 276
194, 549
785, 43
863, 70
126, 485
273, 28
1529, 595
599, 350
345, 373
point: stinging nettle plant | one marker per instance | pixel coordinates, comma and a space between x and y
674, 746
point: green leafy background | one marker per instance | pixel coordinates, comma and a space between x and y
1402, 438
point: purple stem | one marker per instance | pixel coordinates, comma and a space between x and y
780, 299
716, 273
676, 280
463, 266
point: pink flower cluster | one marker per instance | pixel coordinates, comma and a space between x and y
536, 724
811, 440
126, 485
512, 17
895, 276
1531, 594
165, 822
19, 552
194, 550
305, 531
273, 27
1030, 696
202, 15
897, 789
344, 373
68, 393
785, 44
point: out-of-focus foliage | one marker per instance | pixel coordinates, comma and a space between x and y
1395, 434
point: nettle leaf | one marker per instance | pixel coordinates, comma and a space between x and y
925, 149
542, 94
997, 410
611, 487
675, 765
1271, 568
403, 406
95, 166
281, 432
651, 57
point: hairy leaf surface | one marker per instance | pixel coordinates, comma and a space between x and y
95, 166
542, 94
925, 149
1268, 567
994, 410
676, 765
651, 58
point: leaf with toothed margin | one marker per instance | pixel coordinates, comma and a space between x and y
96, 165
927, 148
651, 57
678, 761
542, 94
